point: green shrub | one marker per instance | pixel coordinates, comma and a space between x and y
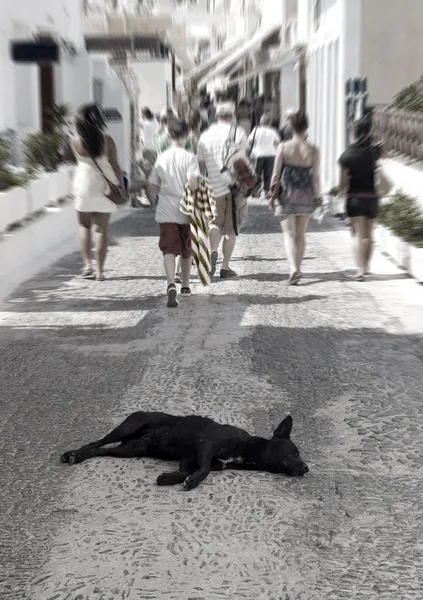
402, 215
42, 151
10, 180
334, 191
5, 151
411, 97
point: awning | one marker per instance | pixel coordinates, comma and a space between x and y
201, 70
284, 59
255, 43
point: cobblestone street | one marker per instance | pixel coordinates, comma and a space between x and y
344, 358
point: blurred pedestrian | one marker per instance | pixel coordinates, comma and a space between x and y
96, 155
243, 116
286, 132
232, 211
358, 166
149, 130
263, 141
296, 191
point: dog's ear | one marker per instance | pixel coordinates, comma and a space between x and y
284, 429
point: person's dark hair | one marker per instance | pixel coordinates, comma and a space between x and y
178, 129
362, 132
147, 114
266, 120
195, 120
90, 126
299, 122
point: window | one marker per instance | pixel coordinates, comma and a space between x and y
317, 14
98, 91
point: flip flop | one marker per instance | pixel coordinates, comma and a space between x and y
87, 274
100, 277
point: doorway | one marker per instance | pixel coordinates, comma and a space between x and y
47, 96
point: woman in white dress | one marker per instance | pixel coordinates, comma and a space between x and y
90, 146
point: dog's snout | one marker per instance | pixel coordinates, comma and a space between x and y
304, 470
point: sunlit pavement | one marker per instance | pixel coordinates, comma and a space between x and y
344, 358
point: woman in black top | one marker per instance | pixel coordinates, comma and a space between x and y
357, 182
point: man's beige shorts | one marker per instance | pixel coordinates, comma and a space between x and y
223, 220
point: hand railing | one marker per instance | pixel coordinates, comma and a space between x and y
401, 131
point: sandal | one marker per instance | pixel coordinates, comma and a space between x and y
171, 296
87, 273
294, 279
227, 273
185, 291
100, 277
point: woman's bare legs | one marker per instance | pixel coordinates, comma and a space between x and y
101, 223
288, 229
294, 228
361, 231
84, 234
301, 224
369, 244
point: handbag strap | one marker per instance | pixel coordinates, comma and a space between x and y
106, 179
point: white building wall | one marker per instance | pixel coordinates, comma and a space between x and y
20, 90
155, 83
334, 53
114, 96
391, 46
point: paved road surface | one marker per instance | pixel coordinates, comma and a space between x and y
345, 359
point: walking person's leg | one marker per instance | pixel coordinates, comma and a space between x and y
229, 242
301, 224
259, 169
84, 234
185, 259
269, 163
289, 230
101, 224
367, 242
228, 247
170, 245
216, 231
360, 247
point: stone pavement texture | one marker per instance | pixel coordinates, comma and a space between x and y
345, 359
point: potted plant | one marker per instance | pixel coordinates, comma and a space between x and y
13, 205
42, 153
403, 237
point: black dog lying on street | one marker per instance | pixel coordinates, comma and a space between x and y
200, 444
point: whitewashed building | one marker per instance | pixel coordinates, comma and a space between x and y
29, 89
378, 39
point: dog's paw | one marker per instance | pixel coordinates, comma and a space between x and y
190, 483
65, 458
166, 479
72, 457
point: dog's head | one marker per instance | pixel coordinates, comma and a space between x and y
281, 454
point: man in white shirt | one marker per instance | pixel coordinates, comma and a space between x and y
264, 140
211, 154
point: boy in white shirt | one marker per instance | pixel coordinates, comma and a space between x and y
173, 170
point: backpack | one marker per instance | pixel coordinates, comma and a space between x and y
238, 167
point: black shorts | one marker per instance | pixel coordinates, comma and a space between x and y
362, 207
